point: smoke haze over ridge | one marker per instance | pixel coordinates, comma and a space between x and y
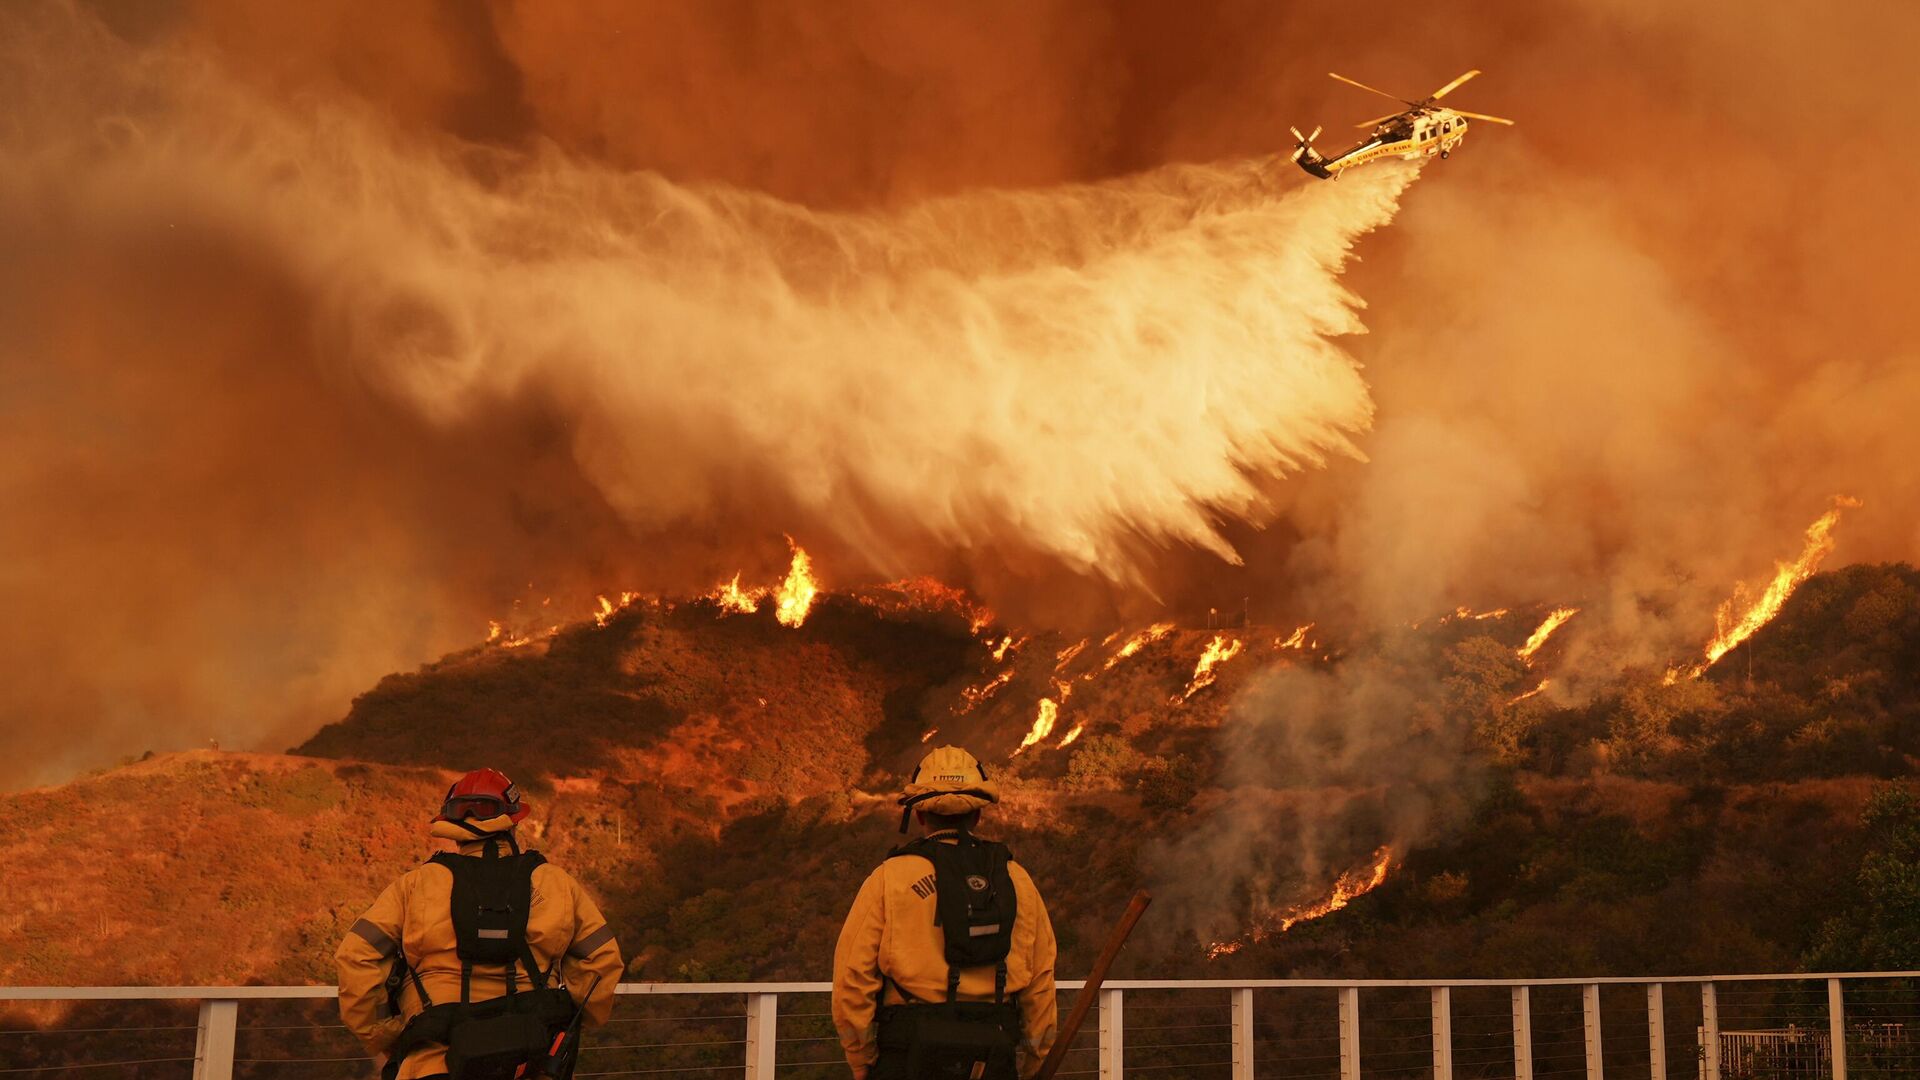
331, 330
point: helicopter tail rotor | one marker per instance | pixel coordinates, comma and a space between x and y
1303, 143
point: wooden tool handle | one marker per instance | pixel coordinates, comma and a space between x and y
1091, 992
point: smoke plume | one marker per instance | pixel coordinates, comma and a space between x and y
328, 332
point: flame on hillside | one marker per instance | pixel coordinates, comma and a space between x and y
930, 594
1043, 721
1351, 885
1074, 734
1544, 683
606, 609
1137, 642
1743, 614
1296, 640
1006, 645
1554, 621
1220, 650
1065, 656
1464, 612
974, 695
732, 599
793, 597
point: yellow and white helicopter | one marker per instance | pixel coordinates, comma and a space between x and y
1425, 129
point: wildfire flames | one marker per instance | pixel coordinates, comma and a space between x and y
1065, 656
1544, 683
1220, 650
793, 599
1296, 640
1351, 885
1043, 722
1554, 621
732, 598
1464, 612
1074, 734
1740, 617
1137, 642
974, 695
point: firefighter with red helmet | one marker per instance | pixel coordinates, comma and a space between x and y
481, 963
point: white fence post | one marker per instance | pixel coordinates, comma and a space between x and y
1522, 1033
1709, 1032
1243, 1033
1442, 1033
762, 1034
1349, 1033
1837, 1026
1590, 1024
1656, 1032
213, 1047
1113, 1050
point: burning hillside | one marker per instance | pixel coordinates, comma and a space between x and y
703, 768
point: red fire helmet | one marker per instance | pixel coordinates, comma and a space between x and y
482, 793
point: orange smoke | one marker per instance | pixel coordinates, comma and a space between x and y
1351, 885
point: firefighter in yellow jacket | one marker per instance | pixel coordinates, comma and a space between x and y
475, 957
945, 964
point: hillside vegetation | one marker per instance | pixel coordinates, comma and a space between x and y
723, 783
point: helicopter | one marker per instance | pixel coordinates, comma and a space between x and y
1424, 129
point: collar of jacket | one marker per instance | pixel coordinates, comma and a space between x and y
469, 844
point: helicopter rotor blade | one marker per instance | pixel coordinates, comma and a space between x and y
1452, 86
1297, 137
1369, 89
1377, 120
1316, 133
1484, 116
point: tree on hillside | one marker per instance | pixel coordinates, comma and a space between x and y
1880, 930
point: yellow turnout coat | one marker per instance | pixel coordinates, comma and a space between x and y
415, 915
891, 930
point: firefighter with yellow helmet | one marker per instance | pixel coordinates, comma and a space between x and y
479, 964
945, 965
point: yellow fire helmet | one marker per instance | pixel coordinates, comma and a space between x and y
948, 781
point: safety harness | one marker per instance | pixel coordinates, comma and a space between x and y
505, 1037
975, 906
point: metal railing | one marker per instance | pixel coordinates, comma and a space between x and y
1723, 1027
